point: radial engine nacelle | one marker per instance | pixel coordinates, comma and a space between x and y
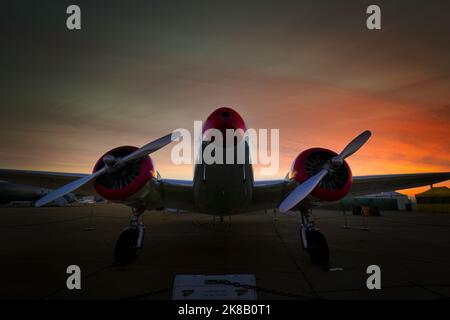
334, 186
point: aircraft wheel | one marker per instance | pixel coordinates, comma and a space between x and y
318, 248
126, 246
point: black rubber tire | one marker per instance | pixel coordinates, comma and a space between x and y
126, 249
318, 248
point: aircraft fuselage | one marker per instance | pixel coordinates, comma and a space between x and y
223, 189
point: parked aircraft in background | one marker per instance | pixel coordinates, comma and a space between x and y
12, 192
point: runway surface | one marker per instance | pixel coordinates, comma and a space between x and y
37, 244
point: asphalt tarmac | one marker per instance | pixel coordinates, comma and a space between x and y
37, 244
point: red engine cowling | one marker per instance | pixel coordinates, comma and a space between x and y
334, 186
222, 119
128, 181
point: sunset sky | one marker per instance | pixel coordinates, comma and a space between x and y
312, 69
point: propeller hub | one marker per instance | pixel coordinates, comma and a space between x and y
337, 162
113, 164
109, 160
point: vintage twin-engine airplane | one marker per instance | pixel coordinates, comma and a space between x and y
127, 175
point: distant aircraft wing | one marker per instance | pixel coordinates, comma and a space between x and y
44, 179
364, 185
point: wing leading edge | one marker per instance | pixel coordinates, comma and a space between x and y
45, 179
364, 185
269, 194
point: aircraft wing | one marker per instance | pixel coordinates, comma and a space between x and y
178, 194
269, 194
364, 185
44, 179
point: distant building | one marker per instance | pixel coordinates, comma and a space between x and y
383, 201
434, 200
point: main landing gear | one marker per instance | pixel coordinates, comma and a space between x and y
131, 239
314, 242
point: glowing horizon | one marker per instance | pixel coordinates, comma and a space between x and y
133, 75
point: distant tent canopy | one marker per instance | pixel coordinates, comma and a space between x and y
434, 200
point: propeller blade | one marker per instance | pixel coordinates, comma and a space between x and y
302, 191
355, 145
152, 147
68, 188
141, 152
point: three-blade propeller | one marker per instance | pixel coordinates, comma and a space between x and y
303, 190
141, 152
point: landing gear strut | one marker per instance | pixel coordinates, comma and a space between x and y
131, 239
313, 241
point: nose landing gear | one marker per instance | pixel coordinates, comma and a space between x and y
131, 239
314, 242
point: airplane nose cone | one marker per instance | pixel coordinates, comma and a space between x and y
226, 115
223, 119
